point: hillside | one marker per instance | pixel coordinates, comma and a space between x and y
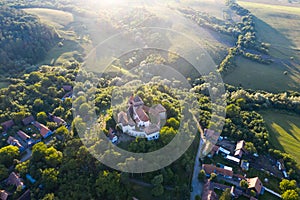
24, 40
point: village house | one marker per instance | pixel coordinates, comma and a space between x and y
44, 130
256, 185
136, 122
28, 120
239, 149
23, 135
3, 195
233, 159
7, 125
57, 120
13, 141
15, 180
217, 170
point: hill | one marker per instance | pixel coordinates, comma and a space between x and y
24, 40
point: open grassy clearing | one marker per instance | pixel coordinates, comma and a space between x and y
252, 75
282, 23
4, 84
284, 129
56, 18
71, 30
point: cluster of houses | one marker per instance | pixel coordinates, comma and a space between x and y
140, 120
236, 158
21, 139
254, 184
15, 180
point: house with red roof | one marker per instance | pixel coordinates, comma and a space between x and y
44, 130
28, 120
7, 124
217, 170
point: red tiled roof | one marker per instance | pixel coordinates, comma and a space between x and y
141, 114
23, 135
255, 183
28, 120
213, 169
14, 179
43, 129
8, 124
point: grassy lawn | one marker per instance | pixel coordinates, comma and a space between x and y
284, 129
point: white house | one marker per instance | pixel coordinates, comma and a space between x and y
136, 121
152, 132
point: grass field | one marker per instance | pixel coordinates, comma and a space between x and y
4, 84
56, 18
282, 25
284, 129
252, 75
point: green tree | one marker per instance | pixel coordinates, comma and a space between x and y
249, 146
38, 105
244, 184
50, 179
108, 186
201, 175
172, 122
158, 190
3, 172
38, 152
290, 195
8, 154
53, 157
213, 176
226, 195
285, 185
49, 196
232, 110
42, 117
